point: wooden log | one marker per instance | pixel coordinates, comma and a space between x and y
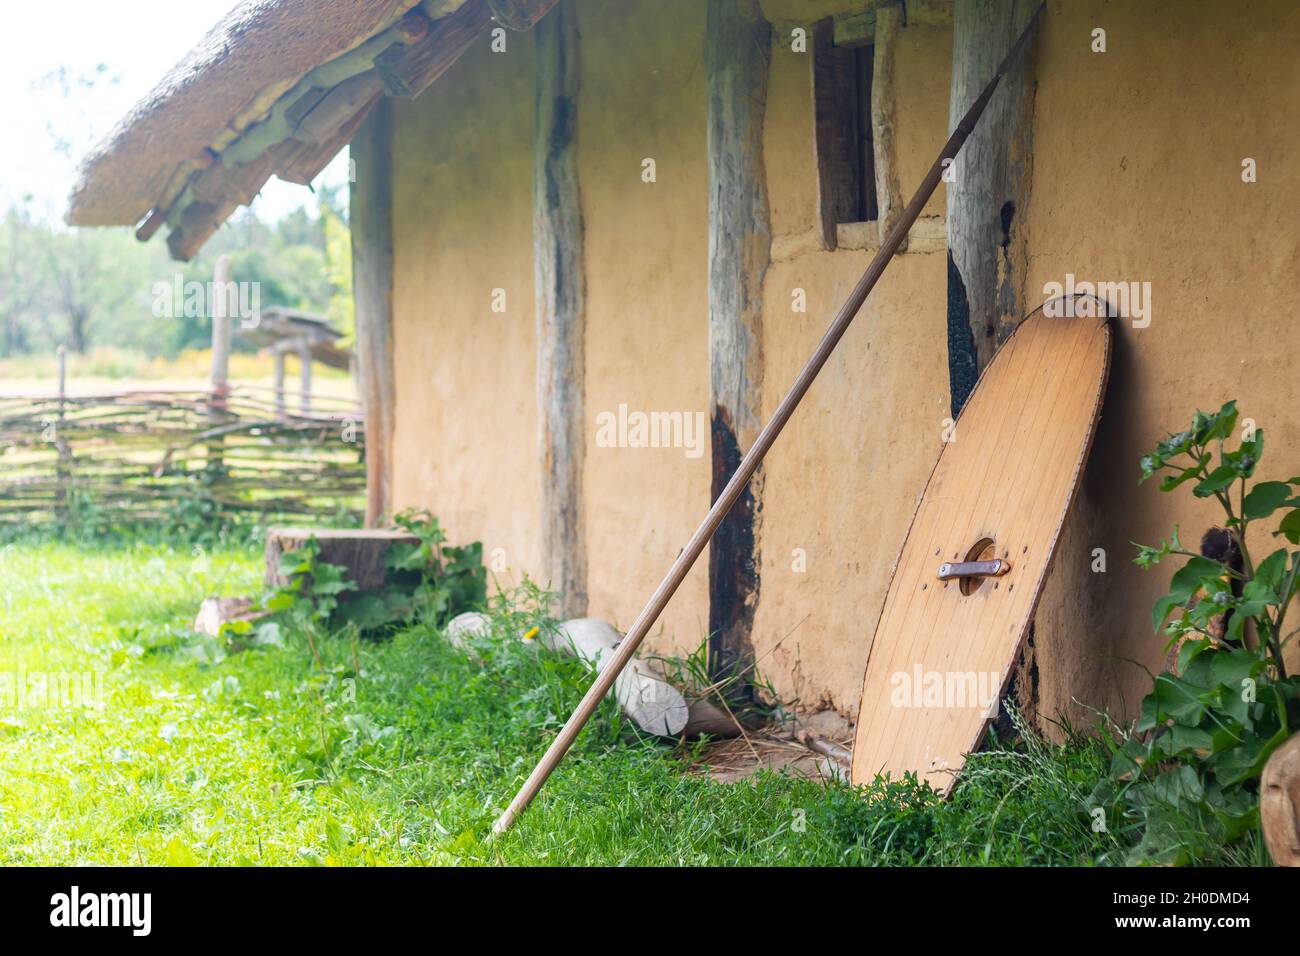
884, 110
559, 277
208, 202
519, 14
151, 224
338, 107
1279, 803
987, 197
301, 162
198, 221
408, 70
737, 54
361, 552
231, 185
413, 27
216, 611
642, 692
371, 216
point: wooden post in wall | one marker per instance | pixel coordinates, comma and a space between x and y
371, 219
988, 191
737, 55
559, 281
986, 199
884, 113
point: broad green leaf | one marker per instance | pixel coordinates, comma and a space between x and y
1290, 526
1265, 498
1218, 479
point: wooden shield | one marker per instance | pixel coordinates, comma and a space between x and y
944, 646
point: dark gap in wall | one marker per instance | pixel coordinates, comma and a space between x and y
845, 151
733, 568
963, 366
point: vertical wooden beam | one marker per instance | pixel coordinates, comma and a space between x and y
986, 201
221, 330
884, 116
277, 355
985, 208
304, 376
559, 280
219, 378
737, 56
371, 219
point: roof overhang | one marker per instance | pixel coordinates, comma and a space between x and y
278, 87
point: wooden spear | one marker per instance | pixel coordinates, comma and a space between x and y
749, 464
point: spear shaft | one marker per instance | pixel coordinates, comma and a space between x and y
754, 457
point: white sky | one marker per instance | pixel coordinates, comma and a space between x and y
137, 41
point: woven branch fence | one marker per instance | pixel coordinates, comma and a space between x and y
147, 456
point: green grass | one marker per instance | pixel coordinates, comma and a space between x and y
258, 757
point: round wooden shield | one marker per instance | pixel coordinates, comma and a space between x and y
973, 564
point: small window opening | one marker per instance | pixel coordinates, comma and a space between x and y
846, 161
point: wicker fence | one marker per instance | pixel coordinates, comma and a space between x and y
148, 456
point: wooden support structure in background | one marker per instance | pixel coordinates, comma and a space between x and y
371, 215
560, 279
737, 57
222, 332
304, 378
277, 355
987, 196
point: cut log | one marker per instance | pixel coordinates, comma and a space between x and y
1279, 803
649, 701
198, 222
215, 611
464, 628
337, 107
409, 70
360, 551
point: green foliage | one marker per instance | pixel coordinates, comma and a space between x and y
425, 581
312, 588
338, 272
401, 752
88, 287
444, 580
1187, 778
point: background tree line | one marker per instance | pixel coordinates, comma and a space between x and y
84, 288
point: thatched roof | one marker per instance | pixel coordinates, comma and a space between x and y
257, 52
277, 88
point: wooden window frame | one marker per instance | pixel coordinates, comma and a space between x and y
844, 147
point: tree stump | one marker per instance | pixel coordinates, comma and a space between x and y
360, 551
1279, 803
